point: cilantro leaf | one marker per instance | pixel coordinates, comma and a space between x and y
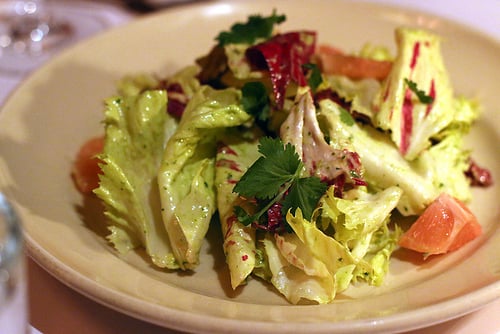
315, 79
255, 100
304, 193
346, 117
275, 178
256, 27
422, 96
278, 165
243, 216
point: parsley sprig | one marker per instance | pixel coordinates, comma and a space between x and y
276, 178
256, 27
255, 100
422, 96
314, 79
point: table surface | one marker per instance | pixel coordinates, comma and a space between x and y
55, 308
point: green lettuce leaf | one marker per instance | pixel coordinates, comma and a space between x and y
133, 85
383, 242
187, 79
291, 280
360, 221
360, 93
135, 136
445, 164
357, 215
235, 154
375, 52
313, 265
467, 112
186, 175
326, 249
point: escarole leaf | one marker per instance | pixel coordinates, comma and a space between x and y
360, 222
134, 141
359, 93
321, 258
446, 164
290, 276
186, 176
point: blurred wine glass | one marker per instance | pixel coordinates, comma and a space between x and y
29, 34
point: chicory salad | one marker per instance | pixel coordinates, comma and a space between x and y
302, 153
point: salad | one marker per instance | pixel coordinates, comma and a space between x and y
303, 154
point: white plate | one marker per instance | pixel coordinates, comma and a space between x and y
60, 106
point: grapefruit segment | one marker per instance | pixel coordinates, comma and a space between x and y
446, 225
86, 170
334, 61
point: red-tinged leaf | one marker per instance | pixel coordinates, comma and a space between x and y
284, 56
406, 122
479, 176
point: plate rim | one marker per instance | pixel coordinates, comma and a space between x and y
118, 301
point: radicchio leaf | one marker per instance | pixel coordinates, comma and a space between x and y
284, 56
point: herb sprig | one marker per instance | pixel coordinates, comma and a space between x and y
315, 79
256, 27
255, 100
422, 96
276, 178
